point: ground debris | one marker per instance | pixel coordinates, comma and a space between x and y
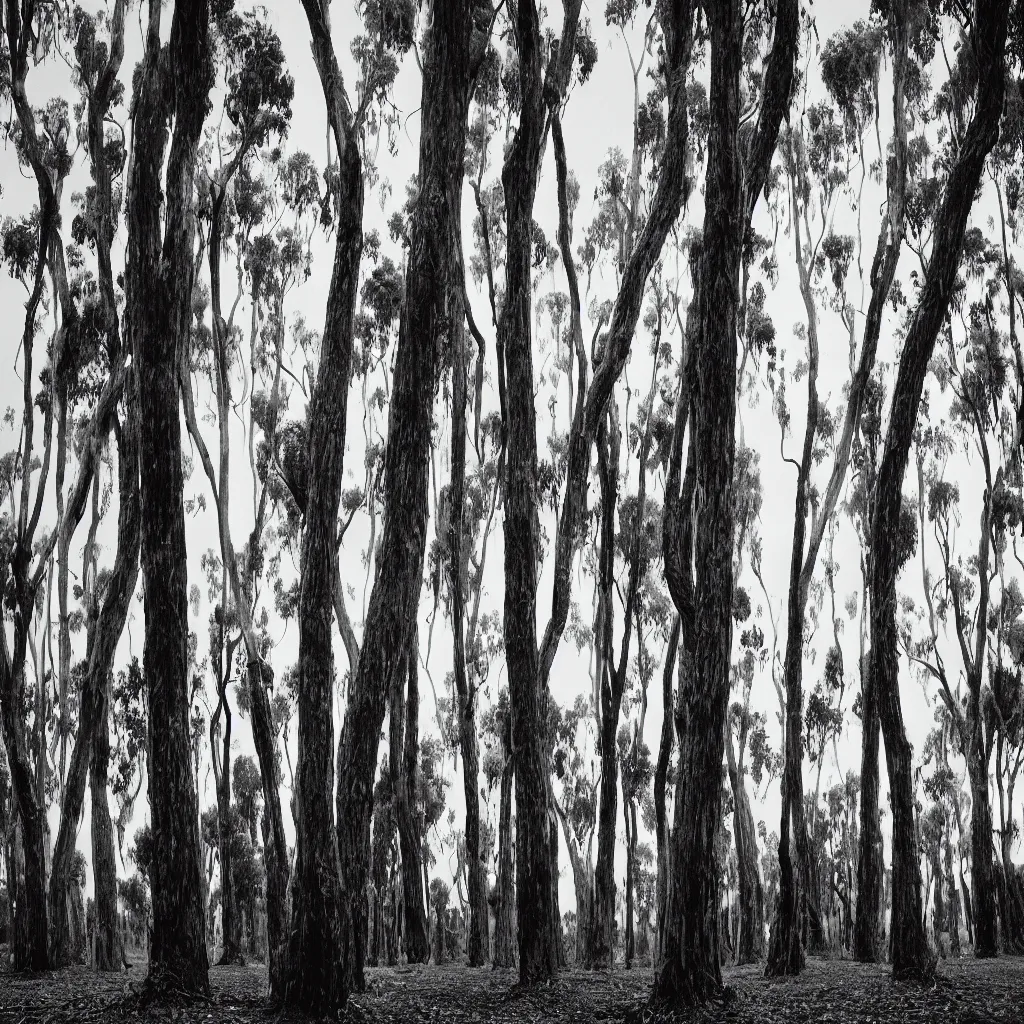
966, 991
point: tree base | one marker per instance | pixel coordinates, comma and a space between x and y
165, 985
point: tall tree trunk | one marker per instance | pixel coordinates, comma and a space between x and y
611, 682
505, 900
404, 756
868, 927
750, 947
690, 972
109, 948
314, 980
538, 956
911, 957
159, 287
661, 785
433, 301
983, 868
465, 688
103, 641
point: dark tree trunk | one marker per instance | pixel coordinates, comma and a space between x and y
629, 813
867, 931
689, 970
109, 948
983, 868
538, 956
911, 957
315, 980
477, 938
104, 638
159, 288
611, 682
405, 713
432, 303
661, 785
505, 901
751, 895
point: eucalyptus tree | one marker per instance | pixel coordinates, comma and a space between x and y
34, 248
173, 80
689, 971
988, 33
973, 368
452, 50
257, 103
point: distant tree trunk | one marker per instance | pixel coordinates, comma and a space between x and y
433, 301
405, 713
911, 957
159, 289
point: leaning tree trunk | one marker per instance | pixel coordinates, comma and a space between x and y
433, 300
405, 713
313, 977
661, 785
109, 947
159, 294
867, 930
911, 956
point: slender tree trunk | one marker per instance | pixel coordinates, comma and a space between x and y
868, 927
465, 688
108, 947
538, 957
159, 287
316, 979
602, 951
911, 957
690, 971
751, 896
404, 756
505, 900
433, 301
661, 784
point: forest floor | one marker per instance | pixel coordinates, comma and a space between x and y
828, 992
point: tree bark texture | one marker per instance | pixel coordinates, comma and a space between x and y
159, 287
867, 931
104, 639
432, 306
404, 735
109, 948
689, 972
121, 586
911, 956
